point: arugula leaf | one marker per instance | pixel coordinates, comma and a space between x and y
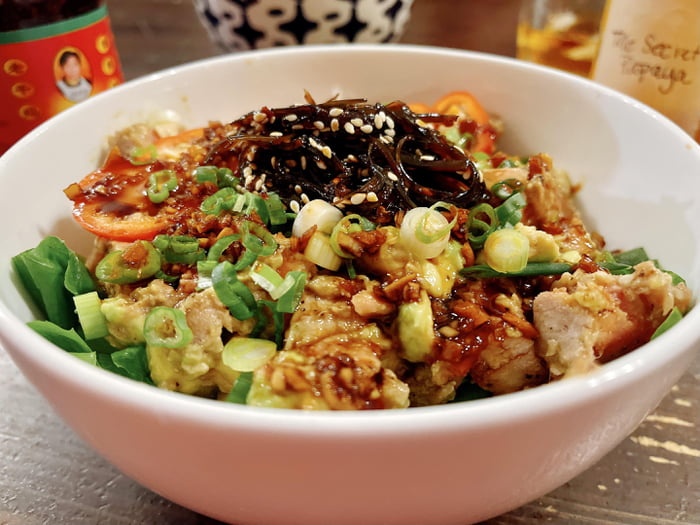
51, 273
67, 339
132, 362
623, 263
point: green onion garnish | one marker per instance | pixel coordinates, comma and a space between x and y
160, 184
167, 327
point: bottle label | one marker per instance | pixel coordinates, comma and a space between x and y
651, 51
47, 69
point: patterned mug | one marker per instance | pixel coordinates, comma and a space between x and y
237, 25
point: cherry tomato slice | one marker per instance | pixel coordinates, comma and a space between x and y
465, 104
112, 201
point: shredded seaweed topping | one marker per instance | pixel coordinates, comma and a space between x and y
372, 159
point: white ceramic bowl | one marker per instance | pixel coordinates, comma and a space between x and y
448, 464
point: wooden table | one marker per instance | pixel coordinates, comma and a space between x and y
48, 476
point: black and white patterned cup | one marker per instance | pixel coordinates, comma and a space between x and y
238, 25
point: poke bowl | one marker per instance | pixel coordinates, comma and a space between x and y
441, 437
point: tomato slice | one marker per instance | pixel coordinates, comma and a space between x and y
111, 201
466, 105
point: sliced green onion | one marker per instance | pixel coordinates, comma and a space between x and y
507, 250
222, 177
277, 321
233, 293
245, 354
290, 291
239, 204
90, 315
206, 174
319, 213
240, 389
510, 211
506, 188
160, 184
222, 200
246, 259
319, 251
481, 223
348, 224
167, 327
221, 245
425, 232
226, 179
255, 203
117, 266
510, 163
179, 248
258, 239
483, 271
143, 155
456, 137
266, 277
275, 209
204, 269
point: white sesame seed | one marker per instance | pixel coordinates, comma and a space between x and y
294, 206
321, 165
319, 124
327, 151
378, 121
248, 180
372, 197
351, 158
335, 112
357, 122
357, 198
304, 198
389, 132
427, 157
392, 176
291, 117
247, 172
276, 134
335, 125
314, 143
259, 184
303, 163
386, 140
297, 127
259, 117
349, 128
367, 128
297, 189
273, 162
390, 122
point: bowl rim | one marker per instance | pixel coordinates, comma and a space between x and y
497, 410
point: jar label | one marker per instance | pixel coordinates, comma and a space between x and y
47, 69
651, 51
